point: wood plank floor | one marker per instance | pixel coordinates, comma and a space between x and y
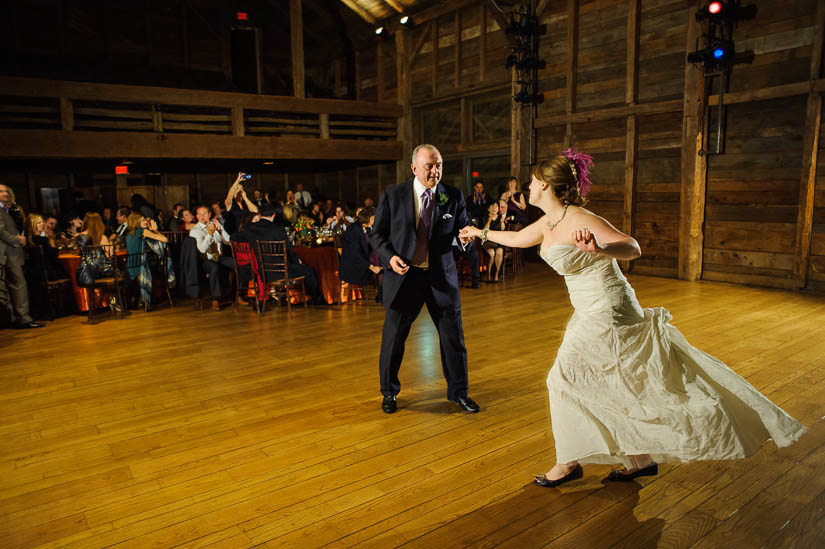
196, 429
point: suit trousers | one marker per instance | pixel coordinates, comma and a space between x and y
214, 268
18, 290
416, 290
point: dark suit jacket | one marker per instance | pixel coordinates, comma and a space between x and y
10, 246
355, 256
267, 230
393, 233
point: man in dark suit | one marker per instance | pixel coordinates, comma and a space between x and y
11, 246
414, 228
269, 229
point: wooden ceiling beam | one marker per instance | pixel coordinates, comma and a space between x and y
395, 5
362, 13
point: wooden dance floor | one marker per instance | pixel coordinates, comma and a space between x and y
195, 429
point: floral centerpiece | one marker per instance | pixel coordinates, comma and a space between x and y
304, 230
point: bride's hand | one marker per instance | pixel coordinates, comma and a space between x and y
586, 241
468, 233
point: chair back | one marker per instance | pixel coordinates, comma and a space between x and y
272, 254
244, 256
102, 255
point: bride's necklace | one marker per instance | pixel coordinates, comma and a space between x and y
552, 226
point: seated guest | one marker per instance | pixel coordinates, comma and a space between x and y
340, 219
108, 218
143, 206
122, 218
328, 209
244, 270
478, 203
161, 220
289, 214
355, 266
495, 252
316, 214
72, 226
259, 198
217, 212
368, 203
211, 237
174, 219
187, 221
138, 235
237, 204
270, 229
50, 222
36, 231
290, 199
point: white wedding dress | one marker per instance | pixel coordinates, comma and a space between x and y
626, 382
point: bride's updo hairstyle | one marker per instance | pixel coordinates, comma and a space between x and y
568, 175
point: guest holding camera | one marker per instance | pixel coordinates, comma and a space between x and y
211, 237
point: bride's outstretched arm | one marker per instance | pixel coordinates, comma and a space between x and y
600, 237
525, 238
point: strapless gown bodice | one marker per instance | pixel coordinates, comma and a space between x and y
626, 382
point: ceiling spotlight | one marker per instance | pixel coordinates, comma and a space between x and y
405, 20
379, 31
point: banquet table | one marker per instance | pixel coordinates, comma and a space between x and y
324, 259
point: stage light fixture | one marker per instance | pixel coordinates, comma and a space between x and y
511, 61
379, 31
405, 20
715, 7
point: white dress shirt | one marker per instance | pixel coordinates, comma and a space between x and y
205, 240
305, 198
418, 191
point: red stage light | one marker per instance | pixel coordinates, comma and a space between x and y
715, 7
242, 16
475, 174
122, 170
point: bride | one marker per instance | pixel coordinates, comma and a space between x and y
626, 386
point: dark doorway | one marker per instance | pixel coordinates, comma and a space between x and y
245, 59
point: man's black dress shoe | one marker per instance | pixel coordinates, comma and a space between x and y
621, 476
389, 406
476, 285
467, 403
576, 473
28, 325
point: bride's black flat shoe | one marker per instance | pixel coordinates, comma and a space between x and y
620, 476
576, 473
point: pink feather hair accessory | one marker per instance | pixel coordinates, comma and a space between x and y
581, 164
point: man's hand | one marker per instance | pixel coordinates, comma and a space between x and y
397, 264
22, 239
375, 268
211, 228
153, 226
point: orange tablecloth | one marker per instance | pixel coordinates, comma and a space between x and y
71, 262
324, 260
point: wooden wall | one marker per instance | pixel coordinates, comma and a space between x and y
615, 86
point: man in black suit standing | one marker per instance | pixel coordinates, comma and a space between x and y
414, 228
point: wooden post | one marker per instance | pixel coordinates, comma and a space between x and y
404, 87
358, 76
379, 70
324, 123
694, 165
631, 154
457, 33
296, 32
810, 151
572, 52
515, 127
631, 87
434, 54
482, 46
66, 114
157, 120
237, 122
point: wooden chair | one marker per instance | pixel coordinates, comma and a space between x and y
273, 267
114, 282
244, 256
55, 289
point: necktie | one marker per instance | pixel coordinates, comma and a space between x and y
422, 234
